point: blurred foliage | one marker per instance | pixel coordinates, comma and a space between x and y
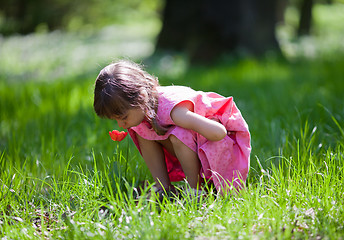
26, 16
76, 54
326, 39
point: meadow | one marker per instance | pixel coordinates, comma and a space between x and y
62, 177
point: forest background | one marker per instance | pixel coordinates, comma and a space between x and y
63, 177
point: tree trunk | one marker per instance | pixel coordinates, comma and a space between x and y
257, 34
305, 21
206, 29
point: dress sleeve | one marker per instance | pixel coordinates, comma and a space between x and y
169, 97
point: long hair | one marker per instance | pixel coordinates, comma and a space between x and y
124, 85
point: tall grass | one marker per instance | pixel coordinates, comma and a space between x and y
61, 176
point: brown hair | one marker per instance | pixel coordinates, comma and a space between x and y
124, 85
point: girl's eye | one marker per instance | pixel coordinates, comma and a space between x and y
124, 118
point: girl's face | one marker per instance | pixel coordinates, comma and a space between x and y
131, 118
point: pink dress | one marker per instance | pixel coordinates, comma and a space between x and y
225, 162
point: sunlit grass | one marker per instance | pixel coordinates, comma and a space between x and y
70, 55
63, 177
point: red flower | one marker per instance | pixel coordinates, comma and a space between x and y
117, 135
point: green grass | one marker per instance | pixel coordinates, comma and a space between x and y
61, 176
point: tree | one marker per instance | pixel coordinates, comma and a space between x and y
205, 29
23, 16
305, 21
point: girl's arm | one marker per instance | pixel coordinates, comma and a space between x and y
154, 157
183, 116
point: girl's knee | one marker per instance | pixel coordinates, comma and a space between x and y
175, 141
178, 145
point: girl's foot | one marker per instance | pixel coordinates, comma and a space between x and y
160, 193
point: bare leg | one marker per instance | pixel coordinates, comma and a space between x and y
153, 155
187, 158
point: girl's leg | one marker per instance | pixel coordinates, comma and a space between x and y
187, 158
153, 155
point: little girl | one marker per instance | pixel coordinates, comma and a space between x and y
180, 133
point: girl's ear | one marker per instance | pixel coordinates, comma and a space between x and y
145, 99
144, 95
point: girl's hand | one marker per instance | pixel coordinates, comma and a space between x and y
183, 116
117, 135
